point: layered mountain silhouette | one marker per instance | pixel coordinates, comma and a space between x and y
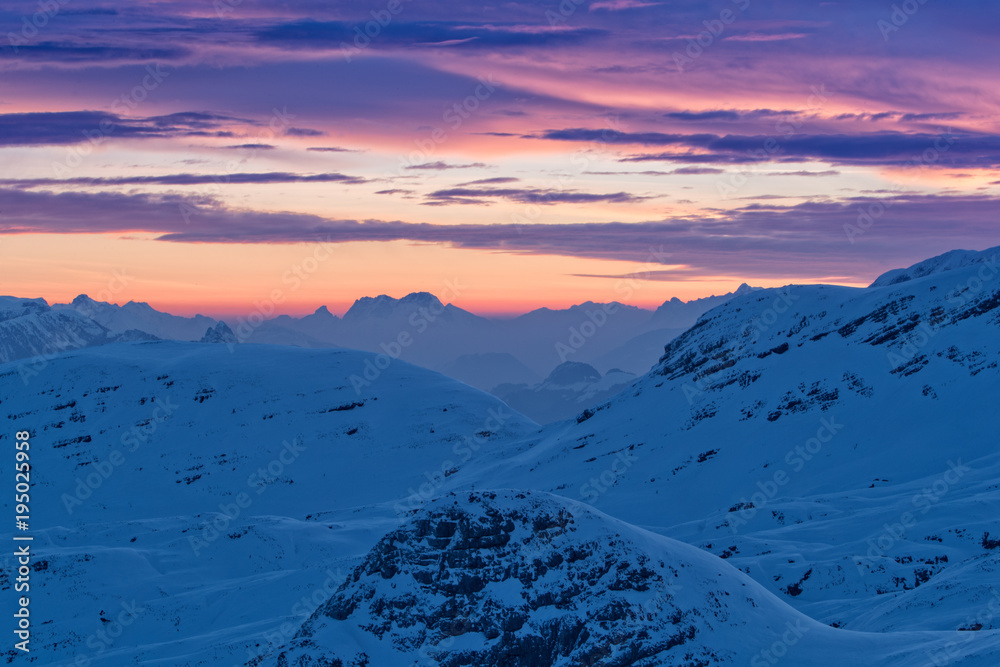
807, 475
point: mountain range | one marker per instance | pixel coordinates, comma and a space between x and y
807, 476
484, 353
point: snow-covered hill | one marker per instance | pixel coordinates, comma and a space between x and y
518, 579
949, 261
826, 455
195, 483
837, 444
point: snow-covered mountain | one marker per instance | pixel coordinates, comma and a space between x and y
194, 483
417, 328
517, 579
808, 475
677, 314
31, 330
949, 261
220, 333
140, 317
837, 444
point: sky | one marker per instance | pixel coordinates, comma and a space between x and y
237, 155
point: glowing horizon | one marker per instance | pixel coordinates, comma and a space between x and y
536, 153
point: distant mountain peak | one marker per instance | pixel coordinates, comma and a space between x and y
220, 333
573, 372
421, 298
384, 305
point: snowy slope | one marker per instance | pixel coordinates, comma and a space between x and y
198, 482
516, 579
825, 453
949, 261
837, 444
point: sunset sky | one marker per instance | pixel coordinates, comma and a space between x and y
208, 156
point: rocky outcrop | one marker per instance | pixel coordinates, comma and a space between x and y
525, 580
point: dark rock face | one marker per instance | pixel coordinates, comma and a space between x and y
221, 333
511, 581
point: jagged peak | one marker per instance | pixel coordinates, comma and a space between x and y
384, 305
81, 299
220, 333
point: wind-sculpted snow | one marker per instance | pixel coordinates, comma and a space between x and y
520, 579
